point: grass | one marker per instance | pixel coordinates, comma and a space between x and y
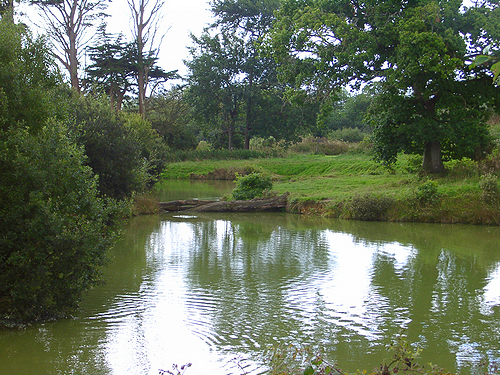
347, 185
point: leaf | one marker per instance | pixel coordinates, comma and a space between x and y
309, 371
496, 70
479, 60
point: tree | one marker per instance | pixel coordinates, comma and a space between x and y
215, 89
7, 9
29, 81
111, 68
68, 23
249, 21
492, 61
115, 66
54, 229
113, 149
146, 15
431, 102
349, 111
170, 115
231, 84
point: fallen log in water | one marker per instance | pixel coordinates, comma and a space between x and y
182, 205
254, 205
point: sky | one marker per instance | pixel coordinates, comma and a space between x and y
180, 18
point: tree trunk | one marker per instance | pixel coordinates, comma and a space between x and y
248, 120
73, 60
141, 83
433, 162
254, 205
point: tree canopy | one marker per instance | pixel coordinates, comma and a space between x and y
232, 85
431, 101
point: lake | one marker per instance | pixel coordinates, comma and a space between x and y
221, 291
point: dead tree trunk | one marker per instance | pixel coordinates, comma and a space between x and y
255, 205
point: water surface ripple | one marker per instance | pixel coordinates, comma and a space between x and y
220, 290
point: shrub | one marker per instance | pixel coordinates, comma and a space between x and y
369, 207
203, 146
113, 148
322, 146
462, 168
491, 164
489, 186
258, 143
251, 186
347, 135
427, 193
54, 229
210, 154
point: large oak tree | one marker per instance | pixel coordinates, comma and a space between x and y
431, 101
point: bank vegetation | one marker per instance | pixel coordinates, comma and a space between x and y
342, 180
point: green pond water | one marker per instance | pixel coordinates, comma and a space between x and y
220, 290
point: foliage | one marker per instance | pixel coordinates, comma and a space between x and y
170, 115
153, 149
491, 164
428, 192
115, 66
233, 88
29, 80
113, 147
319, 146
369, 207
428, 100
110, 68
293, 360
290, 359
259, 143
347, 135
489, 186
349, 112
251, 186
176, 370
209, 154
54, 229
490, 60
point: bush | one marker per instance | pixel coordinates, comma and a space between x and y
54, 229
152, 148
113, 148
210, 154
260, 144
203, 146
320, 146
369, 207
251, 186
427, 193
347, 135
489, 186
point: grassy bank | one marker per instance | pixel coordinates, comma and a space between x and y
353, 186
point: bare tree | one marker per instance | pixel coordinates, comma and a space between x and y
68, 23
146, 17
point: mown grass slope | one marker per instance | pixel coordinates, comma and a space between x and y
354, 186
